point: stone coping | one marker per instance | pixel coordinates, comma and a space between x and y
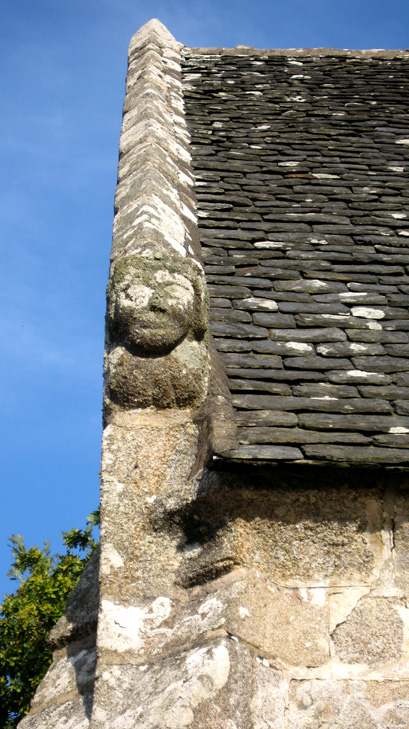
306, 52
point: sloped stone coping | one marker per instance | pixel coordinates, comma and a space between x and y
154, 200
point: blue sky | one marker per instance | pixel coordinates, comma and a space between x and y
63, 66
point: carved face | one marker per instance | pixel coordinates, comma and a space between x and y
151, 305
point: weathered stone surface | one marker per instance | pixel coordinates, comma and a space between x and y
328, 404
348, 704
402, 407
373, 633
265, 452
364, 423
288, 626
276, 388
401, 539
328, 241
356, 376
266, 417
341, 349
327, 389
257, 304
386, 391
376, 335
176, 380
297, 435
209, 685
283, 348
81, 610
269, 361
358, 454
64, 697
233, 345
281, 375
157, 364
274, 321
317, 363
310, 335
229, 292
144, 456
70, 715
269, 698
156, 323
392, 440
381, 364
171, 623
230, 315
244, 331
293, 536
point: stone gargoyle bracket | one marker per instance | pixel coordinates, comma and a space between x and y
157, 332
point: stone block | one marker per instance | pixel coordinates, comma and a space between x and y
269, 698
64, 697
314, 538
288, 626
70, 715
81, 610
401, 540
166, 624
145, 456
348, 704
207, 686
373, 633
318, 536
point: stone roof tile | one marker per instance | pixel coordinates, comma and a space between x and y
301, 161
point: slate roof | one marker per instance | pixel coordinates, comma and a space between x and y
301, 162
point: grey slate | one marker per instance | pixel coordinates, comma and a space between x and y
307, 263
260, 434
357, 454
284, 375
360, 423
264, 452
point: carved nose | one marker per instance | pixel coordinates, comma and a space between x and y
157, 303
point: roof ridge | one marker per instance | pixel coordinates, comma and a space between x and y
306, 52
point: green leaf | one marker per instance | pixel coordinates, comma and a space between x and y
27, 616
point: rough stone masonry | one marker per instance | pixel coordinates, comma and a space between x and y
253, 570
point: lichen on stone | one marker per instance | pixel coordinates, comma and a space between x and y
157, 325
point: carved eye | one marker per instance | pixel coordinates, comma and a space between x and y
181, 294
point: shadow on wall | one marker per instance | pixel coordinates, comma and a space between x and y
76, 632
306, 526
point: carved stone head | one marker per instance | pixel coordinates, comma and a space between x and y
154, 303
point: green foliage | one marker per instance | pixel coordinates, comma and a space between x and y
27, 616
